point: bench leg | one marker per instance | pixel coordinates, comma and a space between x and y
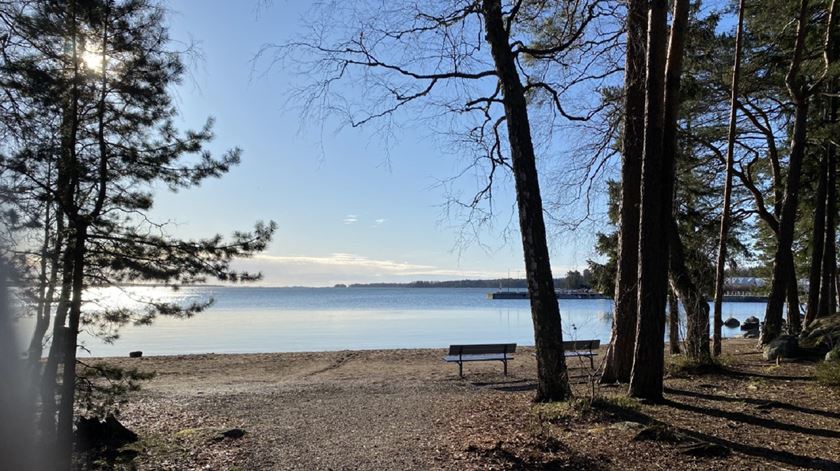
460, 369
592, 362
505, 362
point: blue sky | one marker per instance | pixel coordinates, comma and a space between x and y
349, 208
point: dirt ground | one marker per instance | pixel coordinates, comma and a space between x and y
407, 409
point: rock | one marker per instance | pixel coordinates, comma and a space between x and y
750, 323
136, 354
704, 449
233, 434
833, 355
91, 433
751, 334
821, 333
731, 323
786, 346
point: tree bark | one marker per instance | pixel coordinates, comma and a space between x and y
783, 261
619, 358
673, 323
727, 187
817, 240
68, 384
794, 323
46, 287
553, 381
696, 343
827, 304
828, 291
648, 361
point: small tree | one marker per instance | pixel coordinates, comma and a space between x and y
99, 76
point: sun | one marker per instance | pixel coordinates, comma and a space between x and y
92, 60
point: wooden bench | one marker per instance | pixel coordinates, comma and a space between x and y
582, 348
480, 352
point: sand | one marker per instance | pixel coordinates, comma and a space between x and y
408, 410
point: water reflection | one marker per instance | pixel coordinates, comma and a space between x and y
294, 319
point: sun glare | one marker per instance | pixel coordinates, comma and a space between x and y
92, 60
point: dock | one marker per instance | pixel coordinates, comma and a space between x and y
735, 298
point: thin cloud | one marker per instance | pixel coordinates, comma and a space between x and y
287, 270
350, 219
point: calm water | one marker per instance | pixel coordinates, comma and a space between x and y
315, 319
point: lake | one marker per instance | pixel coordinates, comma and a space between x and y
249, 319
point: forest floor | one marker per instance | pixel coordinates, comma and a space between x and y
407, 409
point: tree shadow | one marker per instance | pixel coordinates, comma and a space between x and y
746, 374
802, 461
514, 460
786, 457
761, 403
753, 420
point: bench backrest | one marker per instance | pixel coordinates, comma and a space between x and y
581, 345
478, 349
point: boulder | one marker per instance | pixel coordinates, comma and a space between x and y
750, 323
833, 355
786, 346
821, 333
731, 323
92, 433
751, 334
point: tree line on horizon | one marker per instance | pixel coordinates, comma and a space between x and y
573, 280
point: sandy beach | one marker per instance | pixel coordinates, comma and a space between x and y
407, 409
327, 410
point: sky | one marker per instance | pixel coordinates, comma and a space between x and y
349, 208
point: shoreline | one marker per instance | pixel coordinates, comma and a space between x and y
408, 409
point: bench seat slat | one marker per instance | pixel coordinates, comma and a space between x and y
477, 349
482, 357
581, 354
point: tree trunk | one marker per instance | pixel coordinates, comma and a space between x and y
828, 301
553, 381
783, 261
800, 95
827, 304
36, 346
673, 323
696, 343
794, 323
727, 187
619, 359
817, 240
68, 383
46, 285
648, 361
66, 185
50, 372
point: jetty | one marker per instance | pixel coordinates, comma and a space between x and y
574, 294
